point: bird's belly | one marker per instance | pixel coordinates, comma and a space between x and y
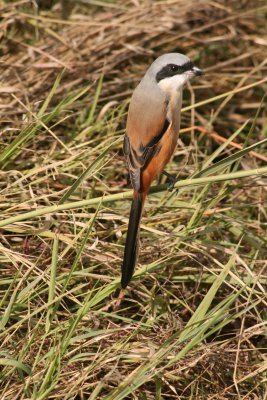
159, 161
168, 146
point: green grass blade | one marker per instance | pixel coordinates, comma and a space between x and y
228, 160
222, 147
13, 148
50, 95
90, 170
199, 314
12, 362
52, 283
95, 101
258, 172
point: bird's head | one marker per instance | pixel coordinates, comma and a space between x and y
171, 71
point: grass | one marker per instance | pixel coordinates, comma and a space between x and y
192, 324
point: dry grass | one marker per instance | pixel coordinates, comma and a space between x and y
192, 324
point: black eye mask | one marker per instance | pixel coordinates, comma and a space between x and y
173, 69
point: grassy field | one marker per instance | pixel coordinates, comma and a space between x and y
192, 324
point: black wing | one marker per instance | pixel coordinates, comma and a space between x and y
137, 159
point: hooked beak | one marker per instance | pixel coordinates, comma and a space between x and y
197, 71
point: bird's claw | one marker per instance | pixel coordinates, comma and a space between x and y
171, 180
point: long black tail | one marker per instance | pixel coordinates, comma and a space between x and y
132, 240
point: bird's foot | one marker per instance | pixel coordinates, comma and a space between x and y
171, 180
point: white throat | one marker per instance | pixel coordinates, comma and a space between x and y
173, 83
173, 87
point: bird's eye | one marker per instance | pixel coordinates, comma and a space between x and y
174, 67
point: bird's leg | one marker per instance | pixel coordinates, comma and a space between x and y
128, 181
171, 180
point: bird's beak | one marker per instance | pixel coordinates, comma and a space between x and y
197, 71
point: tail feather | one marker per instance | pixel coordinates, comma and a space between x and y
132, 240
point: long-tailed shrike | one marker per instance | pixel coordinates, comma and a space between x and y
151, 136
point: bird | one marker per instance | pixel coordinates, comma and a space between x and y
152, 128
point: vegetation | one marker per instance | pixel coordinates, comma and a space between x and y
191, 325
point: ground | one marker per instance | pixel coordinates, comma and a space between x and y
191, 325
